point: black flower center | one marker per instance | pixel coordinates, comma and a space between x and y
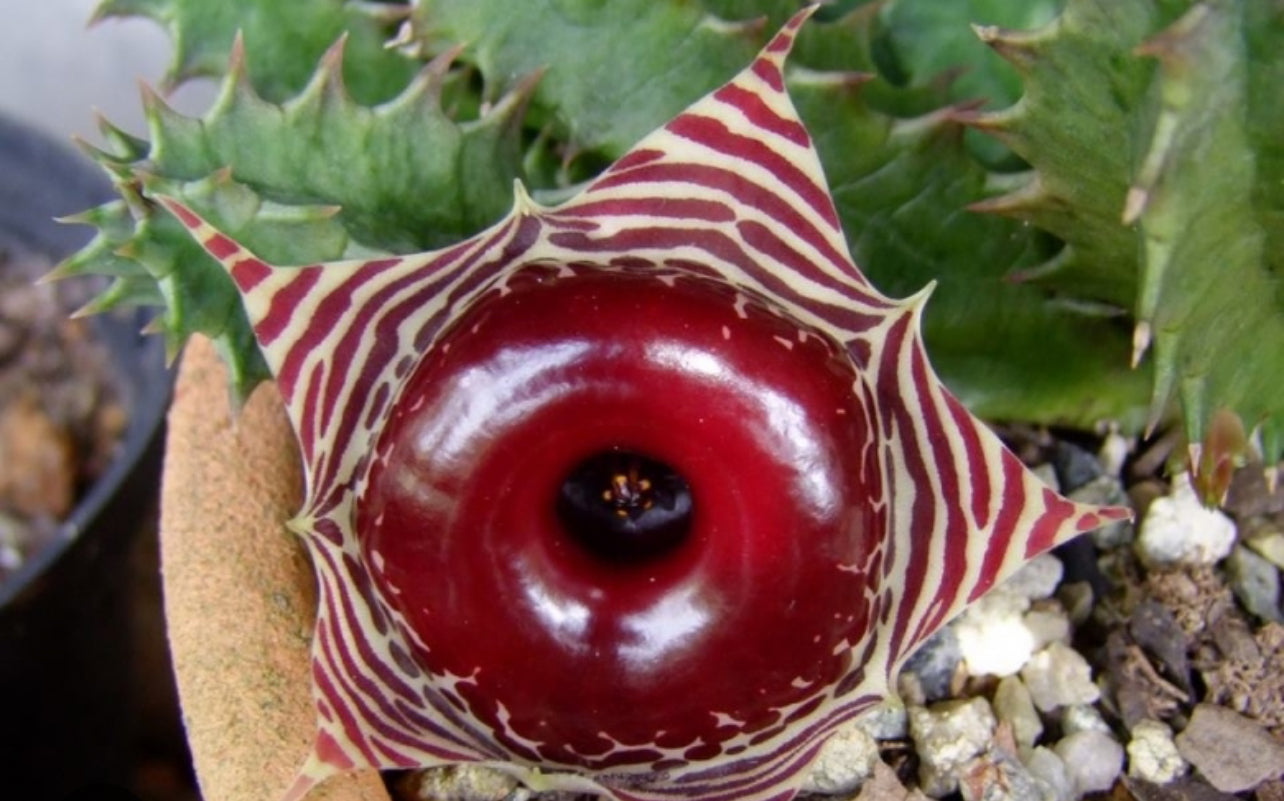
622, 506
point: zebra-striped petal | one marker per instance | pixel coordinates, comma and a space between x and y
728, 198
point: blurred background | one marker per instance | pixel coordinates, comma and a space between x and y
56, 69
56, 72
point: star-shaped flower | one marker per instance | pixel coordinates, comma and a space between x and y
694, 312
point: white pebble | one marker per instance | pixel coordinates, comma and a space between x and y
1047, 626
844, 763
1013, 705
1076, 599
10, 557
1093, 759
1152, 754
1256, 583
1047, 767
887, 721
1059, 676
463, 782
993, 638
1048, 475
946, 736
1269, 543
1037, 579
1179, 530
1082, 717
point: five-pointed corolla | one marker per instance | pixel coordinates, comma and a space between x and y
642, 495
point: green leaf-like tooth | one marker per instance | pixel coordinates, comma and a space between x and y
902, 187
315, 178
122, 293
894, 155
1079, 123
326, 86
203, 32
164, 124
1008, 327
384, 13
1203, 197
122, 145
153, 9
1018, 48
666, 53
1153, 127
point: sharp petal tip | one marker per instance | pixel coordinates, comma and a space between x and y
1135, 203
523, 204
1141, 338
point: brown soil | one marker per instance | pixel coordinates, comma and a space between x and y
60, 415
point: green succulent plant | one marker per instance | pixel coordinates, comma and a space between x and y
1096, 188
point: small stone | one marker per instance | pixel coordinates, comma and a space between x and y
1229, 750
1179, 530
996, 775
884, 785
1155, 628
10, 556
934, 663
1037, 579
1044, 765
1269, 791
1256, 583
844, 763
1093, 759
1145, 492
1074, 465
1047, 625
1152, 754
1059, 676
1077, 598
1082, 717
1235, 640
887, 721
1012, 703
946, 736
1255, 490
463, 782
1048, 475
1106, 490
992, 635
1264, 537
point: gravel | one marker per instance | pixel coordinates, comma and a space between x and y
1059, 676
1229, 750
1153, 755
60, 419
1093, 759
1179, 530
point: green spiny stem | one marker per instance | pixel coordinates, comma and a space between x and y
1017, 327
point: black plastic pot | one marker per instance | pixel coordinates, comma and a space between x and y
67, 717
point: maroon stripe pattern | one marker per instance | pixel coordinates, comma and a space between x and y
731, 187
